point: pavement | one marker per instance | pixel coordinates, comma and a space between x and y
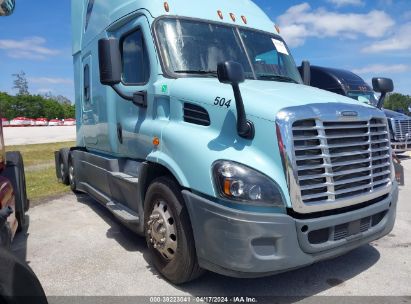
38, 135
76, 247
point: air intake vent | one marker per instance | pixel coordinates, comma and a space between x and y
196, 115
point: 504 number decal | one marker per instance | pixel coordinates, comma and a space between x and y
222, 102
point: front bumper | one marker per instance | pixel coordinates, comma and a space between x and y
244, 244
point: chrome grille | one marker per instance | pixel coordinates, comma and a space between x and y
336, 160
402, 127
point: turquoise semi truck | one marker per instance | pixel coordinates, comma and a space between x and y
195, 130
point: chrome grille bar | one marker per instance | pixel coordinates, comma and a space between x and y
335, 160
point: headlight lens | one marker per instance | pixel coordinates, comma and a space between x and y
244, 185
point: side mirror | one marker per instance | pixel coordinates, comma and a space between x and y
306, 72
230, 72
7, 7
109, 61
382, 85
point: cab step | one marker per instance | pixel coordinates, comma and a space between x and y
123, 213
120, 211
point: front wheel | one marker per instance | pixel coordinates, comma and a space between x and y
168, 232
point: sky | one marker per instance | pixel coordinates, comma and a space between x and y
369, 37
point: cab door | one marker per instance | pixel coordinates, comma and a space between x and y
139, 63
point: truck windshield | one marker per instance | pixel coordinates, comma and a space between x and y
191, 47
365, 97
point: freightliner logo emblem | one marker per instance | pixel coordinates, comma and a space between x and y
348, 114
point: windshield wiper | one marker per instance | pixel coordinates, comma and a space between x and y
198, 72
277, 78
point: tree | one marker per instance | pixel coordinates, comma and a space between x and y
62, 100
21, 83
52, 109
34, 106
398, 102
5, 105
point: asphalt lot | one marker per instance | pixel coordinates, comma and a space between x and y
77, 248
38, 135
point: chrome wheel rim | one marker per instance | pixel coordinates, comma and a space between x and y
161, 230
71, 175
62, 170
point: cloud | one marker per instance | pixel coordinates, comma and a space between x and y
382, 68
44, 91
340, 3
28, 48
300, 22
406, 15
400, 41
49, 80
385, 2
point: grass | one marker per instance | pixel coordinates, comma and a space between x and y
41, 180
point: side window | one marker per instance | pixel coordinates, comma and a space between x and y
136, 66
86, 85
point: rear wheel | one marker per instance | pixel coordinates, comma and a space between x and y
168, 232
71, 175
63, 166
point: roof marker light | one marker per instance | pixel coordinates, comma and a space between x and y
220, 14
244, 19
277, 28
232, 16
166, 7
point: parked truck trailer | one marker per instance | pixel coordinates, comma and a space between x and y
351, 85
195, 130
13, 197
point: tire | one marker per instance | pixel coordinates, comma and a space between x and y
181, 266
63, 165
5, 236
15, 173
71, 175
18, 283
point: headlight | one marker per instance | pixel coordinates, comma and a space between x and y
245, 185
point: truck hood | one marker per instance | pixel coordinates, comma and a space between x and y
393, 114
262, 99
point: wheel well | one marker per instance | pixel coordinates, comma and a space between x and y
150, 172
